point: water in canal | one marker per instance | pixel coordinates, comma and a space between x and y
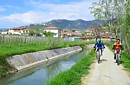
40, 74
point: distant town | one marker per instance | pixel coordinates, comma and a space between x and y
58, 32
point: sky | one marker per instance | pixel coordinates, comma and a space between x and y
15, 13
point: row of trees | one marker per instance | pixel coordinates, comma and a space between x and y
116, 14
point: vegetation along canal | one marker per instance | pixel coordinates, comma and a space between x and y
40, 75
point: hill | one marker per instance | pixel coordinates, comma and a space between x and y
68, 24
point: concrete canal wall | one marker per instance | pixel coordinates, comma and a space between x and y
28, 60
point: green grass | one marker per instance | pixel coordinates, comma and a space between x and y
73, 76
125, 58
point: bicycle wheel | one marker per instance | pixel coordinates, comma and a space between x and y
99, 60
118, 59
98, 56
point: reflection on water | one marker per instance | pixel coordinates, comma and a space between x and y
40, 74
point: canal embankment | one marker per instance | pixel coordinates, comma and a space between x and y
41, 73
18, 48
27, 60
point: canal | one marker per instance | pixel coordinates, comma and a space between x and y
40, 74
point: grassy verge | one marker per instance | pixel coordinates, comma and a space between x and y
125, 58
73, 75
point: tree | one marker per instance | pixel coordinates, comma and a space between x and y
96, 28
117, 16
31, 32
48, 34
102, 11
37, 31
126, 26
84, 33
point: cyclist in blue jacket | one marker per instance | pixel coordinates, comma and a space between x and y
99, 44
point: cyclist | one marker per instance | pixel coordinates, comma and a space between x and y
99, 44
117, 46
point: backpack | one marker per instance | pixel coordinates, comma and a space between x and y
99, 43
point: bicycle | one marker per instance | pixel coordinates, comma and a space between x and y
98, 54
118, 56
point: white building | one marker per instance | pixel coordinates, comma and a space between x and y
54, 30
18, 31
4, 32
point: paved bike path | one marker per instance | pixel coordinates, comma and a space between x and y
107, 72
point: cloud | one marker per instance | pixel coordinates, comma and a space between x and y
43, 12
26, 18
72, 10
22, 19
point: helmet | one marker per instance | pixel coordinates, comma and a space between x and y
98, 37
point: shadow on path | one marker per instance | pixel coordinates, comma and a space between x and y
103, 60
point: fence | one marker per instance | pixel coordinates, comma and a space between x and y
13, 40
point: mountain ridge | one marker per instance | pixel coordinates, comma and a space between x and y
66, 24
